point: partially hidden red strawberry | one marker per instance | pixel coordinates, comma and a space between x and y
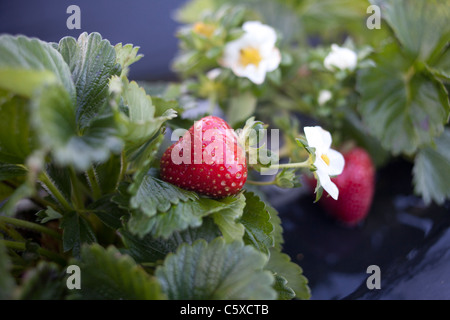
206, 159
356, 186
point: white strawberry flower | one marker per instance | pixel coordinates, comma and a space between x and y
324, 97
328, 162
340, 58
254, 53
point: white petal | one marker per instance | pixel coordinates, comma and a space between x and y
318, 138
255, 74
273, 60
260, 32
324, 97
313, 136
326, 139
337, 162
340, 58
327, 184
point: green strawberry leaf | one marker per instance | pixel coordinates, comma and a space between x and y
150, 249
126, 55
256, 220
109, 212
11, 171
240, 108
138, 118
107, 174
178, 217
283, 290
286, 178
281, 264
151, 195
7, 283
431, 172
109, 275
26, 189
441, 67
216, 270
92, 62
403, 107
44, 282
76, 231
55, 120
17, 139
44, 216
277, 232
422, 28
21, 56
24, 82
228, 219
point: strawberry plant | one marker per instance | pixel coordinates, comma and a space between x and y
84, 146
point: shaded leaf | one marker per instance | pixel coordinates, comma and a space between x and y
7, 283
17, 139
109, 275
228, 219
107, 174
256, 220
150, 249
421, 27
54, 117
108, 211
240, 108
277, 232
431, 172
401, 106
76, 232
179, 217
32, 54
216, 270
44, 216
44, 282
10, 171
281, 264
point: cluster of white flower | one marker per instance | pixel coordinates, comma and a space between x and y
254, 53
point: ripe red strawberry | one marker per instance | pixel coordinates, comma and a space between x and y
356, 189
207, 160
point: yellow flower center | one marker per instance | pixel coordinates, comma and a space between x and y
325, 159
204, 29
250, 55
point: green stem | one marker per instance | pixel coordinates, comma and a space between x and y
45, 179
123, 166
77, 189
31, 226
97, 193
261, 183
11, 232
304, 164
21, 246
212, 100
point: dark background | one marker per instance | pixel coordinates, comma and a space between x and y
148, 24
